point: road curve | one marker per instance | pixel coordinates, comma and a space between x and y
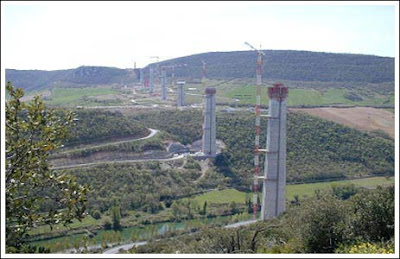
152, 133
118, 161
116, 249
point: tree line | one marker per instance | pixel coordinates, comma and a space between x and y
362, 221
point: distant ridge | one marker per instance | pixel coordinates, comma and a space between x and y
290, 65
278, 65
84, 75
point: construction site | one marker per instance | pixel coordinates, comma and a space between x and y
273, 178
177, 153
197, 128
161, 82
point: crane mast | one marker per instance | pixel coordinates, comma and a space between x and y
257, 110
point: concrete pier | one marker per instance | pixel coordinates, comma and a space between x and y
274, 179
164, 84
209, 129
141, 77
181, 94
151, 83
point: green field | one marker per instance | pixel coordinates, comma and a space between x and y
229, 195
222, 196
77, 96
295, 97
308, 189
302, 96
86, 222
306, 93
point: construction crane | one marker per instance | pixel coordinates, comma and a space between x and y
156, 72
156, 57
260, 53
173, 71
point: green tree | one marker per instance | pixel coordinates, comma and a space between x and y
249, 206
374, 214
96, 214
233, 207
116, 217
35, 194
175, 210
204, 211
295, 201
344, 191
324, 223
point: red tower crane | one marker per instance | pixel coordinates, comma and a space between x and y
257, 150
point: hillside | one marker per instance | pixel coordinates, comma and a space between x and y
35, 80
317, 149
300, 66
289, 65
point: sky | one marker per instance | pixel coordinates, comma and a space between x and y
63, 35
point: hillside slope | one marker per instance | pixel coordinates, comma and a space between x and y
317, 149
34, 80
289, 65
301, 66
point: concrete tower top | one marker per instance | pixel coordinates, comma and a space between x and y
278, 91
210, 90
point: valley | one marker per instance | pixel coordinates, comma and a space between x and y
138, 155
157, 191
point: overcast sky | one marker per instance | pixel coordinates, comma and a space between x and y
61, 35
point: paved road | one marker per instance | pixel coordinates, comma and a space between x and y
152, 133
118, 161
242, 223
116, 249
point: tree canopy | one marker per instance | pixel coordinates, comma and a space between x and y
32, 131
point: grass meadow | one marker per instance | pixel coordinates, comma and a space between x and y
302, 190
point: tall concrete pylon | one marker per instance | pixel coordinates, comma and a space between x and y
151, 84
209, 127
274, 179
141, 77
181, 94
164, 83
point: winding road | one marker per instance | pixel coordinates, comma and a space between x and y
153, 132
118, 161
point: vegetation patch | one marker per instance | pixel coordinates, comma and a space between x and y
71, 97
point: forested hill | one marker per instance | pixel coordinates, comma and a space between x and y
277, 65
289, 65
84, 75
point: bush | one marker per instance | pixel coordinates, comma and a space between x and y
374, 214
344, 192
324, 224
367, 248
96, 214
107, 224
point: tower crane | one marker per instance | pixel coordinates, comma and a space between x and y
259, 51
156, 57
173, 71
157, 72
257, 150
